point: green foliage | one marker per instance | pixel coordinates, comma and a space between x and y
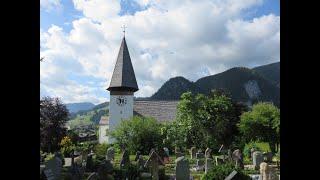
48, 157
138, 134
53, 116
100, 150
208, 121
173, 135
262, 123
66, 146
220, 172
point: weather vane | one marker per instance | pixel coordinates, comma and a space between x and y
124, 30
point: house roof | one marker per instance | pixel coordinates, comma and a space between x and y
123, 77
160, 110
104, 120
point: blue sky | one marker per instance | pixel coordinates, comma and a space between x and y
79, 64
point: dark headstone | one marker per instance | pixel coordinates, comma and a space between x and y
138, 153
53, 168
153, 162
125, 161
257, 159
105, 170
89, 163
208, 165
182, 169
140, 162
207, 153
268, 156
237, 157
110, 154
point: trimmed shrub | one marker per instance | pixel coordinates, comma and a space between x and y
220, 172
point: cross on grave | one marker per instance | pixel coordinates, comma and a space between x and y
153, 162
231, 175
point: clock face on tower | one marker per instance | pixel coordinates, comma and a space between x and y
121, 100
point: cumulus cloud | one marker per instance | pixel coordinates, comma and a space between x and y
49, 5
167, 39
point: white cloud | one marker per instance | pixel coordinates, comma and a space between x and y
98, 9
49, 5
170, 38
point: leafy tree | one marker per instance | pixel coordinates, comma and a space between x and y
173, 135
53, 116
262, 123
209, 120
138, 134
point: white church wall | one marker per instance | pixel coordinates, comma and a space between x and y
103, 138
117, 112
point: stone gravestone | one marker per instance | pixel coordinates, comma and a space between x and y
237, 157
151, 150
166, 150
138, 153
193, 152
93, 176
110, 154
89, 163
167, 155
140, 162
199, 155
153, 163
232, 175
208, 165
267, 172
229, 155
178, 152
200, 161
105, 170
268, 156
53, 168
252, 150
125, 161
207, 153
219, 160
182, 169
257, 158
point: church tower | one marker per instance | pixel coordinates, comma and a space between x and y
122, 87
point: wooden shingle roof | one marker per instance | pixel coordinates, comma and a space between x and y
123, 77
160, 110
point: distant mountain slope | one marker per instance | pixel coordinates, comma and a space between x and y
270, 72
244, 84
92, 115
174, 88
75, 107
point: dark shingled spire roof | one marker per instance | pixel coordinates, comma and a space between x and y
123, 77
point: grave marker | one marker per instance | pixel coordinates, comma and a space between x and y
182, 169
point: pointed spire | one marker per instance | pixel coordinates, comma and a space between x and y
123, 77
